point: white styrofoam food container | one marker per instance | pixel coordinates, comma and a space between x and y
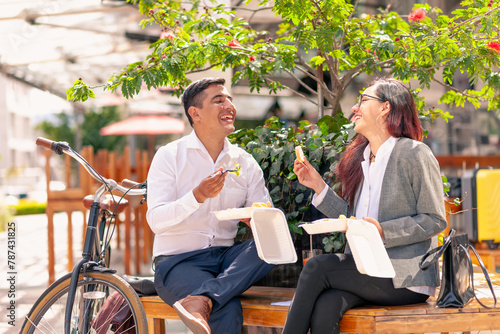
325, 225
272, 236
368, 250
230, 214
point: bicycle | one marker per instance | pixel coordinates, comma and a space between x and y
91, 298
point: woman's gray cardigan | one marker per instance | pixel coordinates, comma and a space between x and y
411, 211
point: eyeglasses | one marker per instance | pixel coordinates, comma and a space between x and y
360, 98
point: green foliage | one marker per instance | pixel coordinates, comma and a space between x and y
79, 92
273, 146
334, 243
60, 129
28, 207
446, 185
327, 35
5, 216
64, 129
92, 124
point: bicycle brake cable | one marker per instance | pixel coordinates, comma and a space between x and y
114, 216
92, 168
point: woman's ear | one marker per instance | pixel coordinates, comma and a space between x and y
385, 109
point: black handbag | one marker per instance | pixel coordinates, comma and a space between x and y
457, 280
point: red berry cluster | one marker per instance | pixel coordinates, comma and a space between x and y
373, 53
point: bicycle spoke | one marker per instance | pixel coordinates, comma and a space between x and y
34, 325
99, 301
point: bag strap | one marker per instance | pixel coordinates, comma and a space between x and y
485, 272
439, 250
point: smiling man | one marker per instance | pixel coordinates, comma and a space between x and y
199, 270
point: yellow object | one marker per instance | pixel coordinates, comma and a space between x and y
488, 210
299, 153
342, 217
261, 205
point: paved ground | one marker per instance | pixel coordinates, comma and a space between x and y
30, 262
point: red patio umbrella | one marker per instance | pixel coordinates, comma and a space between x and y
149, 125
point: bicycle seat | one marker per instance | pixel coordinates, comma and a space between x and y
108, 202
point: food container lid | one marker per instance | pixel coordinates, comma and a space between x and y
272, 236
368, 250
325, 225
230, 214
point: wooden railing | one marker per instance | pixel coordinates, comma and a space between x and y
467, 161
118, 167
110, 165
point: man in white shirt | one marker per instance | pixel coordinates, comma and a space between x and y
199, 270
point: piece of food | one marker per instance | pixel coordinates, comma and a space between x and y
261, 205
299, 153
236, 170
342, 217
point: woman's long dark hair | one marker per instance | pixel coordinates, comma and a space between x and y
402, 121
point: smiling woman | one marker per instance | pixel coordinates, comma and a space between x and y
391, 180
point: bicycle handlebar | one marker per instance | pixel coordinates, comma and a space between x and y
57, 147
129, 183
63, 147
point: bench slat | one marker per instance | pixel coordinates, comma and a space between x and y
258, 311
425, 317
457, 322
357, 324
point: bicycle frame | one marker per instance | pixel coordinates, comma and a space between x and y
95, 209
87, 263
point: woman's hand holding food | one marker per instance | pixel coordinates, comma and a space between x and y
308, 176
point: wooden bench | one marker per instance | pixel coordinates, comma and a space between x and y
256, 303
490, 257
419, 318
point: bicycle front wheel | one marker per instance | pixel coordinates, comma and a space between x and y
104, 303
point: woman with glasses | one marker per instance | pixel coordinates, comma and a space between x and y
390, 179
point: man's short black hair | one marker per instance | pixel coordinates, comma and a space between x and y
193, 94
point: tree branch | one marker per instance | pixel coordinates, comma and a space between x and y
456, 90
333, 71
345, 30
326, 90
301, 60
204, 69
472, 19
296, 78
351, 72
294, 91
328, 95
348, 82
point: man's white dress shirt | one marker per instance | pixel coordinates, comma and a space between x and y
179, 222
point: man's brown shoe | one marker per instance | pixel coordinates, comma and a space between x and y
194, 312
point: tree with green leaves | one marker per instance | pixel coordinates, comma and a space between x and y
328, 43
64, 128
316, 38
